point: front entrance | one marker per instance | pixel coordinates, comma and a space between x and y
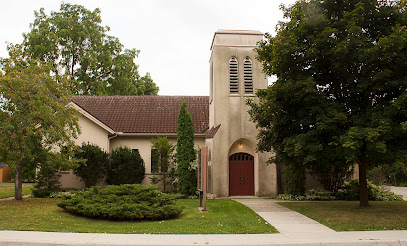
241, 174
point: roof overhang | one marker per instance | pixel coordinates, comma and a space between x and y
149, 134
90, 117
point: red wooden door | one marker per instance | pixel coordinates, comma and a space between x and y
241, 175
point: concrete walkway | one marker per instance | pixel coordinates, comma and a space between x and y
402, 191
283, 219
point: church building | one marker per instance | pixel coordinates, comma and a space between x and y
221, 121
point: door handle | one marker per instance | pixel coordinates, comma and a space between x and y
241, 180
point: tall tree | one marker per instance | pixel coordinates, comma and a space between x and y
34, 107
341, 93
79, 46
186, 154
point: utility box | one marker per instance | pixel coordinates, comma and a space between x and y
5, 173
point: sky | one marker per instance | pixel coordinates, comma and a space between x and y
173, 36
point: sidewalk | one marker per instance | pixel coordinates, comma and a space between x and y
384, 238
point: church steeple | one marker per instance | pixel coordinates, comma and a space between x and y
235, 75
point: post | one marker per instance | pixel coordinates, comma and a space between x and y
204, 174
199, 179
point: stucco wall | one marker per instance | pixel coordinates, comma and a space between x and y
230, 110
92, 133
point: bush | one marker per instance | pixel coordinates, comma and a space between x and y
397, 173
377, 175
332, 175
47, 180
123, 202
126, 167
94, 165
310, 195
350, 192
294, 179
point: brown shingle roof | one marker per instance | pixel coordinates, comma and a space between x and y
212, 132
145, 114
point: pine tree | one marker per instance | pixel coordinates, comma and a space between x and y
185, 153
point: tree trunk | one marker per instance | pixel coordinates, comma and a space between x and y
364, 195
18, 187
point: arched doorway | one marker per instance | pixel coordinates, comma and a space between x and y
241, 174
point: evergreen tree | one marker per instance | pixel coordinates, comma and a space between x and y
186, 155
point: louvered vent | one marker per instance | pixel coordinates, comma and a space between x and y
233, 76
248, 76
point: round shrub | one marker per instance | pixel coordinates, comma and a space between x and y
122, 202
126, 167
93, 169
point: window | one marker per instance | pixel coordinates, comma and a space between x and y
135, 150
233, 76
248, 76
154, 161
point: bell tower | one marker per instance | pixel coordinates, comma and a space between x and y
235, 167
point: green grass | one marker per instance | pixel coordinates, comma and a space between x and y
7, 189
224, 217
348, 216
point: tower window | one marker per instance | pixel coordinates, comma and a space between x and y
248, 76
233, 76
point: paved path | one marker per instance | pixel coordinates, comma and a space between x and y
283, 219
402, 191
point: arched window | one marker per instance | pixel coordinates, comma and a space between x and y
248, 76
233, 76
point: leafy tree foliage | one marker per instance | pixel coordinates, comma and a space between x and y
126, 167
340, 96
74, 40
186, 154
164, 158
94, 166
34, 106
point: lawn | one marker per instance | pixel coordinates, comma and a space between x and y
348, 216
7, 189
224, 217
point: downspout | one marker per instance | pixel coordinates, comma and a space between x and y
108, 141
116, 134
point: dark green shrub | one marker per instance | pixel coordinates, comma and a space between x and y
47, 180
94, 166
126, 167
351, 192
294, 179
332, 175
377, 175
122, 202
397, 173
